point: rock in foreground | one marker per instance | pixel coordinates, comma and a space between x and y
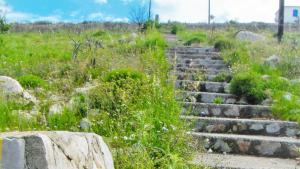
54, 150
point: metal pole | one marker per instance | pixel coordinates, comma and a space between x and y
281, 20
208, 11
150, 6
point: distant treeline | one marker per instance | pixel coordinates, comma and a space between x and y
45, 26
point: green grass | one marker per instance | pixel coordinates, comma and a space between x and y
132, 106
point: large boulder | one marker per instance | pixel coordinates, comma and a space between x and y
9, 85
54, 150
249, 36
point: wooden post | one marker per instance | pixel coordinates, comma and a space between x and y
280, 20
150, 6
208, 11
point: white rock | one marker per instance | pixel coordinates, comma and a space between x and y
85, 124
272, 61
249, 36
9, 85
273, 128
55, 109
55, 150
268, 148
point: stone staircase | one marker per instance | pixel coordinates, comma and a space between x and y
234, 133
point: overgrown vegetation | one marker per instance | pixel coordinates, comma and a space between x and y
117, 83
257, 80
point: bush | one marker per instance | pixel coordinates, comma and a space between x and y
4, 27
31, 81
287, 109
65, 121
196, 37
239, 55
120, 74
223, 77
223, 44
100, 33
249, 85
176, 28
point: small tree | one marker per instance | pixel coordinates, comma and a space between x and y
139, 16
4, 26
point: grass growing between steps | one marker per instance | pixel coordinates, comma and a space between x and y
260, 82
130, 102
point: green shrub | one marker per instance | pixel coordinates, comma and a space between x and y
223, 44
31, 81
152, 40
218, 100
67, 120
120, 74
249, 85
238, 55
4, 27
100, 33
176, 28
286, 108
223, 77
193, 37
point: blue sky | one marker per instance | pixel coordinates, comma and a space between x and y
118, 10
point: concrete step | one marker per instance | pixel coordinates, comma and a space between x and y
226, 110
202, 86
221, 161
199, 61
195, 76
243, 126
198, 56
206, 97
208, 71
266, 146
192, 49
203, 66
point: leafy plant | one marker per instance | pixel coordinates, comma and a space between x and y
223, 44
4, 26
249, 85
223, 77
176, 28
31, 81
218, 100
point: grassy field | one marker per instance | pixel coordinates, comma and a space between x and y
129, 101
115, 83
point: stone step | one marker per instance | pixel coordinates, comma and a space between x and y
206, 97
198, 56
226, 110
221, 161
202, 86
244, 126
199, 61
192, 50
195, 76
266, 146
219, 67
208, 71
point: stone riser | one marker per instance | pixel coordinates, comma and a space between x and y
226, 110
198, 86
245, 127
194, 77
203, 97
249, 146
199, 61
204, 71
207, 57
220, 67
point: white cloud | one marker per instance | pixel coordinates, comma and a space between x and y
223, 10
14, 16
100, 1
99, 16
